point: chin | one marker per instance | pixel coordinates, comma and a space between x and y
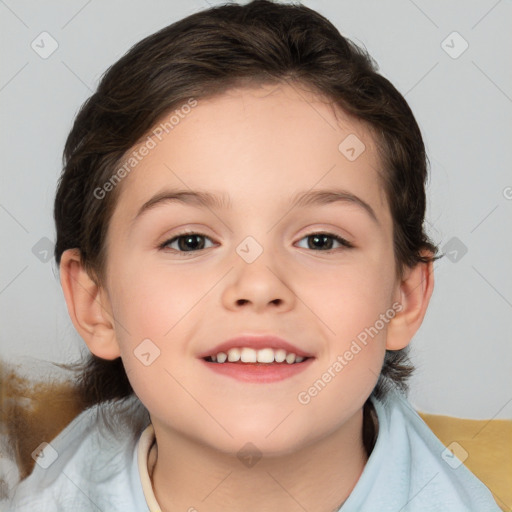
264, 438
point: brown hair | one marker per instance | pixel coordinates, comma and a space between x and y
203, 55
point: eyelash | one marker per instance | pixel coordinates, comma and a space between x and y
344, 243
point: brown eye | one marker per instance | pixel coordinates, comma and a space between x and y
186, 242
325, 241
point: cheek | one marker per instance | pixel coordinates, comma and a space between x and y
157, 312
152, 301
349, 298
355, 307
349, 367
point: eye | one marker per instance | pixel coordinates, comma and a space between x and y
324, 241
186, 242
192, 242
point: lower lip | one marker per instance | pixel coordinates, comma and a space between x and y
259, 372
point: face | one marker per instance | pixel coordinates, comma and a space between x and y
318, 273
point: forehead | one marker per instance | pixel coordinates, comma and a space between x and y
255, 144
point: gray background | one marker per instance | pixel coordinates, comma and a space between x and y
463, 104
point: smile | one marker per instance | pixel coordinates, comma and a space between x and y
257, 366
250, 355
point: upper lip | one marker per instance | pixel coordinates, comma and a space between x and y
256, 342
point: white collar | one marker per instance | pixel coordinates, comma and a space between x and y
146, 458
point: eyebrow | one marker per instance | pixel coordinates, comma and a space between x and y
321, 197
214, 201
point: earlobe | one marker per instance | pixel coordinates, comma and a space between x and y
414, 295
88, 306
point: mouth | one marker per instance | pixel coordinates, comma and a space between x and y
263, 356
266, 360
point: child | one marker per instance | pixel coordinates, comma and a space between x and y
241, 246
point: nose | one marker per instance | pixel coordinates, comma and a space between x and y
258, 286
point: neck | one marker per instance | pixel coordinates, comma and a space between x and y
188, 476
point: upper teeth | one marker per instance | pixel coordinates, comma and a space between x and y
250, 355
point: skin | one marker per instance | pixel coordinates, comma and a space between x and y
260, 146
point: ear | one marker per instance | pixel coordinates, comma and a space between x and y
88, 306
413, 294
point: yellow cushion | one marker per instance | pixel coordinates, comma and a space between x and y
488, 445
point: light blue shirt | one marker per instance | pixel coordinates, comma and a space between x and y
85, 468
409, 470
